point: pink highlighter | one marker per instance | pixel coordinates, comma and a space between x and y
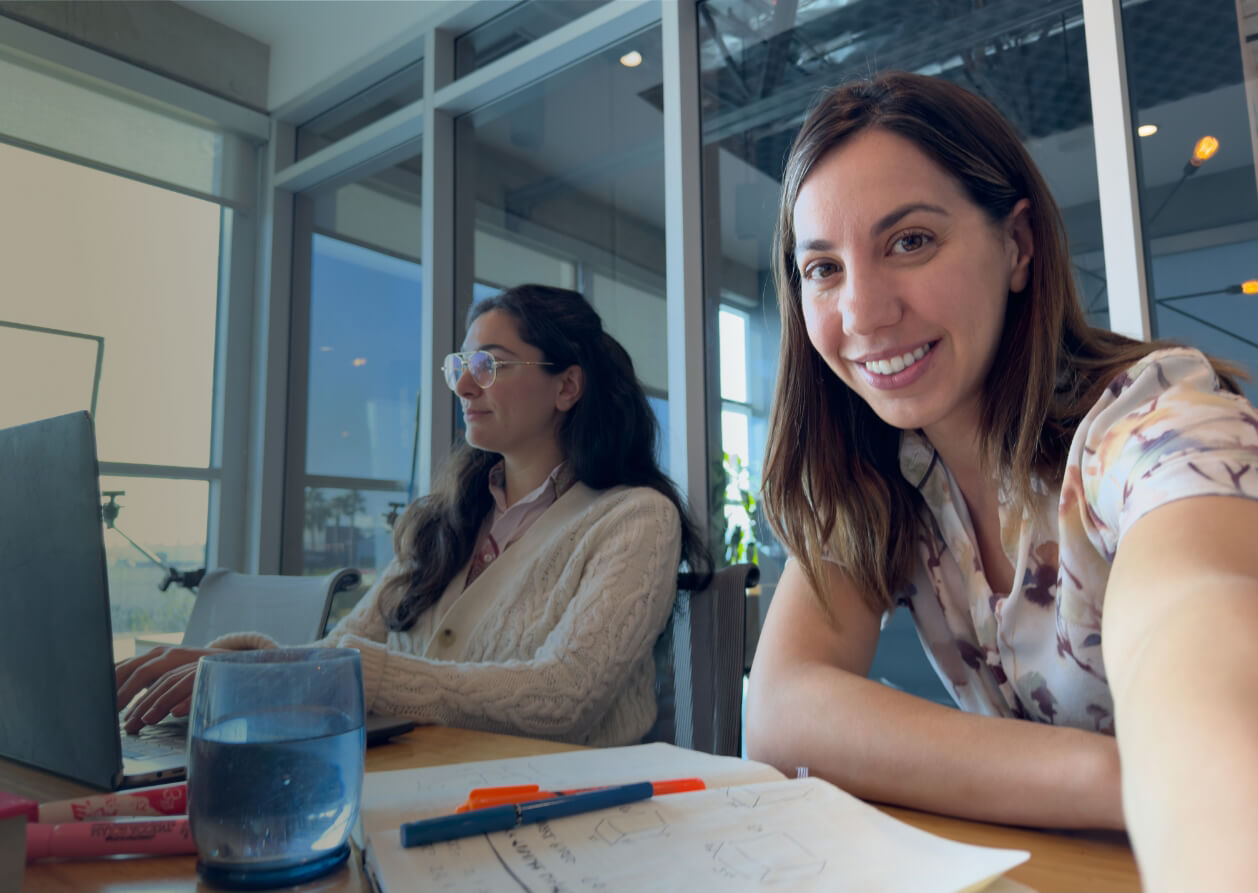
157, 801
94, 840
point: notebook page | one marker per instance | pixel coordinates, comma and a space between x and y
391, 798
798, 835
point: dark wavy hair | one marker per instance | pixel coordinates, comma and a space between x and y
831, 471
608, 439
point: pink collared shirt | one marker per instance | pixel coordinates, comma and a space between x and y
509, 524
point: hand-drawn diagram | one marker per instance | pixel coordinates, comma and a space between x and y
771, 859
752, 797
630, 825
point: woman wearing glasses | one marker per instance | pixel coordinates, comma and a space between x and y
529, 587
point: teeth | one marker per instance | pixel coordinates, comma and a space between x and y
897, 364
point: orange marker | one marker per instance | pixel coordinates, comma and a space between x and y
484, 797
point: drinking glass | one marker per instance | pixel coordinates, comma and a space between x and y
275, 764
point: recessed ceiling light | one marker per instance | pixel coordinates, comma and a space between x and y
631, 59
1147, 129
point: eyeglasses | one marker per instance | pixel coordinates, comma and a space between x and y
481, 365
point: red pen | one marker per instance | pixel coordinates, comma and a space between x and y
481, 798
95, 840
156, 801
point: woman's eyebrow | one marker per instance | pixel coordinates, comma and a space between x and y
890, 220
500, 347
813, 245
886, 222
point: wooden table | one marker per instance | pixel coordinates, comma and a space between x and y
1058, 861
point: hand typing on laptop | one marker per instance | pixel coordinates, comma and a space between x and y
165, 677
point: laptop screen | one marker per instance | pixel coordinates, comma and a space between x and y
57, 700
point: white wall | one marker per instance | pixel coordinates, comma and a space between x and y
313, 41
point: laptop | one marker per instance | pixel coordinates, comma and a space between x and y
57, 697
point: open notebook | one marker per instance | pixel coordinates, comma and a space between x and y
751, 829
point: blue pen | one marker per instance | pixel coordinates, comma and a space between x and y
502, 818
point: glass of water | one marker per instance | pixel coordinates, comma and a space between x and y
275, 764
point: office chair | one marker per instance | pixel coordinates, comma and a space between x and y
291, 610
699, 663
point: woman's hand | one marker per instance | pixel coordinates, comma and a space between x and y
165, 676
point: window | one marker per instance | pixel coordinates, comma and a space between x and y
568, 174
130, 270
762, 69
1198, 206
741, 471
518, 26
378, 101
356, 352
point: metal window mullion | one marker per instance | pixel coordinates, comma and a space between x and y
683, 238
377, 146
1118, 187
343, 482
168, 472
545, 56
230, 448
268, 410
436, 417
298, 415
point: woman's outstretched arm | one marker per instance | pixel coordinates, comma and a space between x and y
810, 704
1178, 633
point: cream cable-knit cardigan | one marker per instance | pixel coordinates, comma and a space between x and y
553, 640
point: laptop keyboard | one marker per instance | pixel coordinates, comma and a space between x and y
162, 740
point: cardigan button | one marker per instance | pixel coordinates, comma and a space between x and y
447, 637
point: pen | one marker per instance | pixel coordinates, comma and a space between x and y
160, 800
502, 818
503, 796
94, 840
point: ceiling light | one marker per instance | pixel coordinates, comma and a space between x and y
1250, 287
631, 59
1204, 150
1147, 129
360, 361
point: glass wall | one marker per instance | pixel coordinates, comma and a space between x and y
518, 26
1192, 73
111, 305
357, 343
378, 101
568, 182
762, 67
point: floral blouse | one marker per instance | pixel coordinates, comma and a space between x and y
1162, 431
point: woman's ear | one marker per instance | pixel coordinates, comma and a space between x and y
571, 387
1020, 245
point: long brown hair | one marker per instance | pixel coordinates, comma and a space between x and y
833, 484
608, 439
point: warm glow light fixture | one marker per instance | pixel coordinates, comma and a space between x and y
360, 361
1250, 287
1204, 150
1147, 129
631, 59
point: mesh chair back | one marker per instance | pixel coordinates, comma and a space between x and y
291, 610
699, 663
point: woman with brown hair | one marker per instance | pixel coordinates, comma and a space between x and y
1054, 504
530, 585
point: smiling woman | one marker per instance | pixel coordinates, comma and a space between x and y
1045, 498
908, 312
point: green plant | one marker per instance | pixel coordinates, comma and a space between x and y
735, 530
